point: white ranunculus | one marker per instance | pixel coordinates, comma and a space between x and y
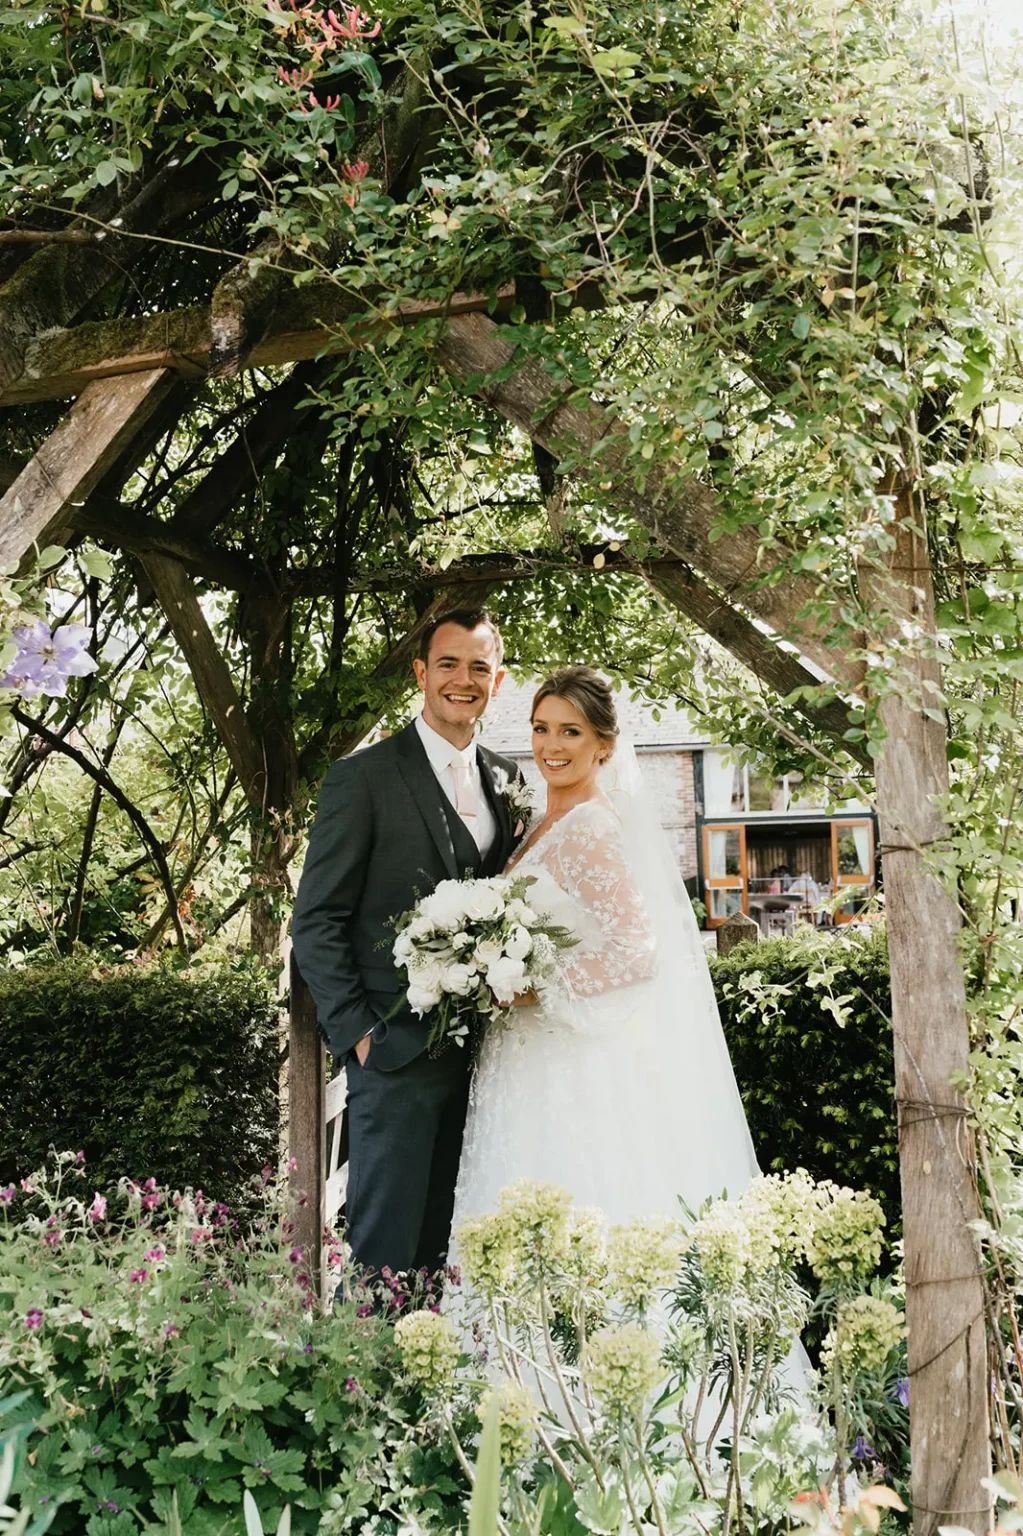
461, 940
459, 980
486, 952
483, 901
446, 906
506, 977
518, 943
520, 912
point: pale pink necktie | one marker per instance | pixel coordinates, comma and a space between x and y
466, 803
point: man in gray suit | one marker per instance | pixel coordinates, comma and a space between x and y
424, 805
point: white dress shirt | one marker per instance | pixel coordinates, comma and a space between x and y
442, 755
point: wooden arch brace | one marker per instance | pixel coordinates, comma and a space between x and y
74, 458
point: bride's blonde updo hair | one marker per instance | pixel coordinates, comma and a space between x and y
591, 695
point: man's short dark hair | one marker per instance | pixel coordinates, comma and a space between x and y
465, 618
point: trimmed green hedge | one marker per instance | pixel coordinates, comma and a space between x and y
818, 1089
150, 1072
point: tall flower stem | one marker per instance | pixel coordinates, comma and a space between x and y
655, 1502
566, 1395
626, 1480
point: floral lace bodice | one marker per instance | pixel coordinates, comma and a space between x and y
583, 880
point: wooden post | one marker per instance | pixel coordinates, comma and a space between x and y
75, 457
307, 1121
737, 929
949, 1385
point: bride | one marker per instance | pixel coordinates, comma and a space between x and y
615, 1085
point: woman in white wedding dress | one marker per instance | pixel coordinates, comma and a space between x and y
616, 1084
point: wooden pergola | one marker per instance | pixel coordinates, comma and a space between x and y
128, 379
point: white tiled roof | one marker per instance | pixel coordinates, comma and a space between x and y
506, 723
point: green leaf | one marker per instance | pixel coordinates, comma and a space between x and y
486, 1494
801, 326
612, 60
106, 172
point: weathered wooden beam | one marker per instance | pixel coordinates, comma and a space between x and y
75, 457
306, 323
118, 525
683, 517
210, 671
55, 285
306, 1088
782, 670
950, 1391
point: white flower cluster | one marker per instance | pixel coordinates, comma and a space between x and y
470, 947
784, 1220
517, 1414
622, 1366
863, 1335
429, 1350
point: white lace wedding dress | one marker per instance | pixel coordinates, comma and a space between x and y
618, 1087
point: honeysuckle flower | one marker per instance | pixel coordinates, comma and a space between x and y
429, 1349
622, 1367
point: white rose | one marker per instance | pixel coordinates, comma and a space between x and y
506, 977
486, 952
422, 999
446, 906
419, 928
459, 979
520, 912
482, 901
403, 948
518, 943
461, 940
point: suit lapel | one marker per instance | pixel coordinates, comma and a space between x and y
414, 766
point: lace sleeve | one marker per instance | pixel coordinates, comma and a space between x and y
618, 946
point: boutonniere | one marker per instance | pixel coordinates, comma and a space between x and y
517, 796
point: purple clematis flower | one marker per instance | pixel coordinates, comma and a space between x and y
45, 661
861, 1449
900, 1392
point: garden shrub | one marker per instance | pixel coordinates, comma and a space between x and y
149, 1071
153, 1347
807, 1024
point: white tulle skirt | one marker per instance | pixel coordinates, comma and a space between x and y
608, 1100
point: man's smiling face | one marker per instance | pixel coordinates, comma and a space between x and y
459, 678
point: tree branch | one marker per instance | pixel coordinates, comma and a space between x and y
120, 799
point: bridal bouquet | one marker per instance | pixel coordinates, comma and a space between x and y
469, 948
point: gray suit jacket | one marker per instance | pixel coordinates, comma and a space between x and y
382, 839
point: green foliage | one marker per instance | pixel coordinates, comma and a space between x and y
173, 1357
809, 1033
151, 1072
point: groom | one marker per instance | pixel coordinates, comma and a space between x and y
419, 807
